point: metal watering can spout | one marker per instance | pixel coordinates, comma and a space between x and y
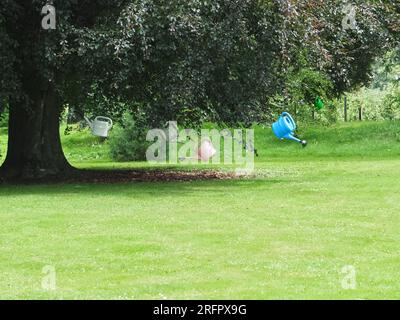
294, 138
90, 123
291, 137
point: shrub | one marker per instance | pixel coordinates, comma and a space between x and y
302, 87
3, 115
370, 100
4, 120
391, 105
330, 112
128, 141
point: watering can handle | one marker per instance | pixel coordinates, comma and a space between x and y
88, 121
288, 115
105, 118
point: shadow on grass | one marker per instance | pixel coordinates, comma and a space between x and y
156, 188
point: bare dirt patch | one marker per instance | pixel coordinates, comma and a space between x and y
127, 176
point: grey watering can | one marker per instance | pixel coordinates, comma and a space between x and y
100, 126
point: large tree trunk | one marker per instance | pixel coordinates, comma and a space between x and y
34, 145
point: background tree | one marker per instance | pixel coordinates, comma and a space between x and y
185, 60
33, 79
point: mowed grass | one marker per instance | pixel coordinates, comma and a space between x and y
287, 233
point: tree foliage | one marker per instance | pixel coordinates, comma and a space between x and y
190, 60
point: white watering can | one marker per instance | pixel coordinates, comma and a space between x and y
100, 126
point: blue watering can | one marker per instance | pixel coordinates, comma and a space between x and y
284, 128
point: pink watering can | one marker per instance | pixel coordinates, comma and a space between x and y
206, 150
204, 153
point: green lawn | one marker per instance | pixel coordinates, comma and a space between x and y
286, 233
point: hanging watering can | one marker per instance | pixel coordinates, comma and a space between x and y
284, 128
100, 126
206, 150
204, 153
319, 103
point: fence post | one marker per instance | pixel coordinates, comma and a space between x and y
360, 113
345, 108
